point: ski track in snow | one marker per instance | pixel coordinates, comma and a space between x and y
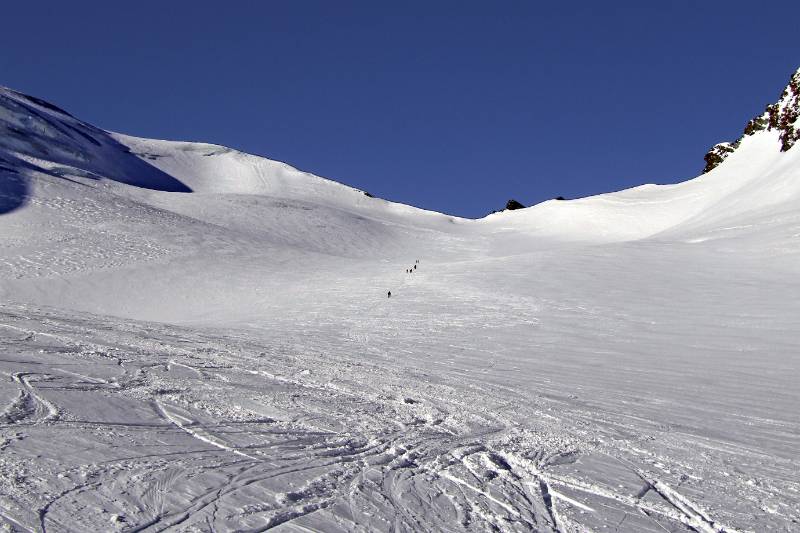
255, 438
228, 360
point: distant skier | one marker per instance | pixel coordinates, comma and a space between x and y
415, 267
389, 294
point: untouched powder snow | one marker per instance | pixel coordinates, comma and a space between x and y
198, 339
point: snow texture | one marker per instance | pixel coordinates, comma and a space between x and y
197, 339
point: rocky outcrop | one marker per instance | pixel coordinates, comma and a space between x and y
717, 155
782, 116
511, 205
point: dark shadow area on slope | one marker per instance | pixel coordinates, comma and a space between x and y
30, 127
13, 189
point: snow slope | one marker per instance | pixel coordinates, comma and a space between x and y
756, 177
198, 339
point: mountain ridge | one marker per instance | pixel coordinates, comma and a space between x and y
41, 137
40, 131
782, 116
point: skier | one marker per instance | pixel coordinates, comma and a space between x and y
389, 294
415, 267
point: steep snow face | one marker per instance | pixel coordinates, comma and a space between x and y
38, 136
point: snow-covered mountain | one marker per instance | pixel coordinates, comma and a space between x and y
207, 337
781, 117
40, 141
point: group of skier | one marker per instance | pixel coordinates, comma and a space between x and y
408, 271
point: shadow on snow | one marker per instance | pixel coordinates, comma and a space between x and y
32, 129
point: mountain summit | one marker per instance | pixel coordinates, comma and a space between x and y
782, 116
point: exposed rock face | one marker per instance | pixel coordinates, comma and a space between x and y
786, 112
717, 155
781, 116
510, 206
513, 204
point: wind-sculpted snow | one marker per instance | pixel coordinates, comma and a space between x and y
228, 359
160, 427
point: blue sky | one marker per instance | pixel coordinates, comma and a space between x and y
453, 106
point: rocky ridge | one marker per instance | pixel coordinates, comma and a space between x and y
781, 116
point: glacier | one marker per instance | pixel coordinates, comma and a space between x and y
199, 339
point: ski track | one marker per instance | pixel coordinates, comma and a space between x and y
169, 428
495, 473
447, 446
184, 424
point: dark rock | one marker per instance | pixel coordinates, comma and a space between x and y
756, 124
513, 204
717, 155
782, 116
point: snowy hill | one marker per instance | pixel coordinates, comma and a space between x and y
758, 174
207, 336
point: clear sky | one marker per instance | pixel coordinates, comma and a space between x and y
455, 106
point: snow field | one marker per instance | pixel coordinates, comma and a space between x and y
227, 359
